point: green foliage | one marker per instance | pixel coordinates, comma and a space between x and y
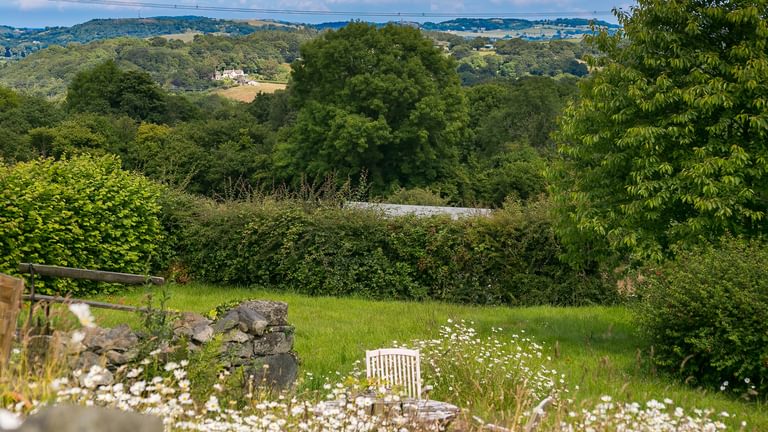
26, 41
515, 174
509, 258
706, 314
383, 101
18, 115
522, 111
205, 367
514, 378
517, 58
272, 108
156, 321
460, 24
81, 212
68, 137
667, 145
173, 65
163, 155
107, 89
416, 196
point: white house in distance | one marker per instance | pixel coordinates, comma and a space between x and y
233, 74
237, 75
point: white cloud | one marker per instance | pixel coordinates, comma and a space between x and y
31, 4
447, 6
531, 2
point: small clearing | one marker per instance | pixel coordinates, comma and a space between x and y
247, 93
184, 37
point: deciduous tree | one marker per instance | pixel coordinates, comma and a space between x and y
382, 100
668, 143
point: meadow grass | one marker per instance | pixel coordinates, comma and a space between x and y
595, 347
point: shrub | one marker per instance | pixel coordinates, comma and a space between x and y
508, 258
81, 212
706, 313
416, 196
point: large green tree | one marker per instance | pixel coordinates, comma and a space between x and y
108, 89
383, 101
668, 143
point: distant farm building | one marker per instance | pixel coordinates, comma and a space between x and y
233, 74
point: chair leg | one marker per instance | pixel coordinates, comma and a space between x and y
538, 413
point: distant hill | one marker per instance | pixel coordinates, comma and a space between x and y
174, 64
19, 42
466, 24
16, 43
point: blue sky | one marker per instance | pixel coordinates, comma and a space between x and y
42, 13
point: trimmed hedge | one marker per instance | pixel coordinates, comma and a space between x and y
83, 212
509, 258
706, 314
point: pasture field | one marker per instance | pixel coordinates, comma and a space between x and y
248, 93
184, 37
595, 347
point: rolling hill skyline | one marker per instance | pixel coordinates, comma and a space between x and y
45, 13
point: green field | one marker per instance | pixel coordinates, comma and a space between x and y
596, 347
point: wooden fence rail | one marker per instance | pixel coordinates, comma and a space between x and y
98, 304
12, 294
10, 304
83, 274
92, 275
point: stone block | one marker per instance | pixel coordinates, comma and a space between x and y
84, 360
68, 418
280, 371
239, 350
229, 321
120, 338
202, 333
274, 311
273, 343
251, 321
117, 358
235, 335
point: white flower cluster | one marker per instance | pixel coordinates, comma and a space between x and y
169, 397
511, 362
460, 362
655, 416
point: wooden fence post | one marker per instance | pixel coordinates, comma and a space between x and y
11, 290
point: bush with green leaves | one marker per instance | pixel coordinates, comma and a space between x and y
508, 258
416, 196
706, 314
81, 212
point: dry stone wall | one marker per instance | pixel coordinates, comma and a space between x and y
254, 334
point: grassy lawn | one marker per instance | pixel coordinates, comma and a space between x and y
595, 347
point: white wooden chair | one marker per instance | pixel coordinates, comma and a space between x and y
396, 367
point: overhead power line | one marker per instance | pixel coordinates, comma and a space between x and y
140, 4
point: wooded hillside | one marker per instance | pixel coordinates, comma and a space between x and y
173, 64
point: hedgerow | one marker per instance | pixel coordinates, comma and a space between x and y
81, 212
509, 258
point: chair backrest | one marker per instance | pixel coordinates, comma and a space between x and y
396, 367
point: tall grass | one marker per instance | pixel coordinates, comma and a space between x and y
596, 348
